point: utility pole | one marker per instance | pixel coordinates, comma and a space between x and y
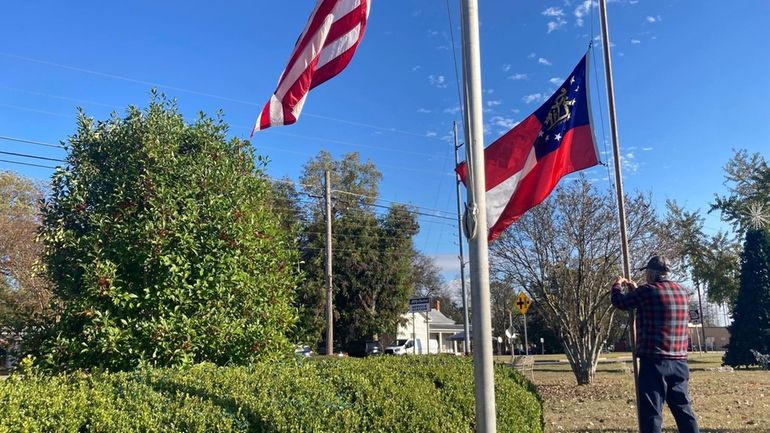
414, 336
510, 331
526, 337
328, 273
483, 368
466, 328
724, 312
702, 317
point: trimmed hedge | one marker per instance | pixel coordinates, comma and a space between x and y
382, 394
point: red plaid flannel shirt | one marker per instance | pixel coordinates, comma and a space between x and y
661, 318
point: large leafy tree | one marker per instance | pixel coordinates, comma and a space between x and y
373, 277
372, 252
162, 242
711, 261
25, 294
564, 254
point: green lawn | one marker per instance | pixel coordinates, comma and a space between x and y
725, 402
714, 358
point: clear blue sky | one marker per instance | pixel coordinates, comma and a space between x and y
692, 83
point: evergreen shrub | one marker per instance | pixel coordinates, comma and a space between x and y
381, 394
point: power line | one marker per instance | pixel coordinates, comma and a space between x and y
352, 250
25, 155
350, 235
454, 57
248, 128
199, 93
35, 110
279, 149
416, 212
39, 143
64, 98
394, 202
348, 143
420, 215
372, 198
310, 155
27, 164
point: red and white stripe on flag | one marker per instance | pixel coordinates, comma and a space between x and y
324, 49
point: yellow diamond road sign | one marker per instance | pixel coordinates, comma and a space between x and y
523, 303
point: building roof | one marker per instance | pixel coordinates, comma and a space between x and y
460, 336
436, 317
438, 322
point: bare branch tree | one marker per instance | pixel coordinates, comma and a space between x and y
565, 252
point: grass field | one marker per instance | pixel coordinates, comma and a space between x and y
724, 401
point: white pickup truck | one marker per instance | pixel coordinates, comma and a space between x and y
412, 347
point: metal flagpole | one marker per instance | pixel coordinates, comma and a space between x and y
483, 372
619, 186
467, 339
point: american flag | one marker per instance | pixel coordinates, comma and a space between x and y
324, 49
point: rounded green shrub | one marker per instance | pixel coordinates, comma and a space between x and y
385, 394
163, 248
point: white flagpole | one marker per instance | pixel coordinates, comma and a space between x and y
619, 187
483, 369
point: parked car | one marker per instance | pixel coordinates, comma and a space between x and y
321, 349
303, 351
399, 347
360, 349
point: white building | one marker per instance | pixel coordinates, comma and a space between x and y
440, 327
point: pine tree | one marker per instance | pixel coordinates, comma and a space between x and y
751, 318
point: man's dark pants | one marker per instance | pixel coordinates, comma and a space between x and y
664, 380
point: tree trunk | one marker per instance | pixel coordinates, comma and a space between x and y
582, 360
584, 374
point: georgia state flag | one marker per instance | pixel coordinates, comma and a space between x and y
523, 166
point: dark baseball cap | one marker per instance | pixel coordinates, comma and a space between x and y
658, 263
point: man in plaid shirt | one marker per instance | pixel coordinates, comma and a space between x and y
661, 345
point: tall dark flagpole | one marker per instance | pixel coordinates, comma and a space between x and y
619, 187
483, 369
466, 324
